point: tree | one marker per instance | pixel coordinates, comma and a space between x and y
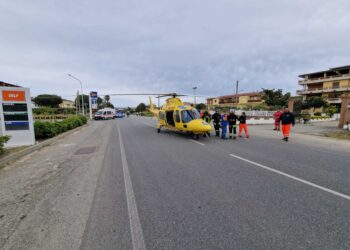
201, 106
315, 102
99, 101
108, 105
331, 110
276, 98
107, 98
85, 99
46, 100
298, 106
141, 107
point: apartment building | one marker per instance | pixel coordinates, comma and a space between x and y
240, 100
329, 84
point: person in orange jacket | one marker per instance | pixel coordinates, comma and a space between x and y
243, 125
276, 116
287, 120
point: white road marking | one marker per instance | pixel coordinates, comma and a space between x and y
138, 241
347, 197
197, 142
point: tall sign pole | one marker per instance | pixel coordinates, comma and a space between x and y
237, 94
194, 94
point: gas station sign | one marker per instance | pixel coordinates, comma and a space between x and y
93, 97
16, 116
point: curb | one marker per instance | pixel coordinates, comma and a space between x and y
15, 156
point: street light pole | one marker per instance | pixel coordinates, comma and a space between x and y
194, 94
82, 93
237, 94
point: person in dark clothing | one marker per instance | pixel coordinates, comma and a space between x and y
287, 120
232, 124
216, 121
207, 117
243, 125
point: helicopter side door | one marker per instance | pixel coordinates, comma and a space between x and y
178, 122
162, 121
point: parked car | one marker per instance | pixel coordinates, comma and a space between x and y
119, 115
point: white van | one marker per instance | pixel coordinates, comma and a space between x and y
105, 114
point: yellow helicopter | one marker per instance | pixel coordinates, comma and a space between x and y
174, 115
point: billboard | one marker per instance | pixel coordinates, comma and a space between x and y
16, 116
94, 97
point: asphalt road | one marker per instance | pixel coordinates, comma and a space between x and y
131, 188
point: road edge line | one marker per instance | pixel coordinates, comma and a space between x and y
347, 197
137, 238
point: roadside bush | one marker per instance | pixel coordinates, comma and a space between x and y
44, 130
53, 111
3, 140
317, 114
319, 117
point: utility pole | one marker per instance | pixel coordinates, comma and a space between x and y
77, 103
194, 94
237, 99
90, 109
82, 93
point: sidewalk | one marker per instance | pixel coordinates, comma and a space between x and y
307, 134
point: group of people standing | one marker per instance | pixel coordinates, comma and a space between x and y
229, 121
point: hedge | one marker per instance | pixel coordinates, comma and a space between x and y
44, 130
3, 140
54, 111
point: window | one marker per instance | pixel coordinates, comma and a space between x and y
177, 116
161, 116
335, 85
189, 115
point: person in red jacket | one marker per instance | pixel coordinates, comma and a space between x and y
276, 116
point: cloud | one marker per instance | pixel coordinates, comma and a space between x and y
162, 46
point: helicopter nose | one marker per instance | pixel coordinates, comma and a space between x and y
199, 126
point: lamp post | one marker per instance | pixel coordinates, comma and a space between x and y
194, 94
237, 94
82, 93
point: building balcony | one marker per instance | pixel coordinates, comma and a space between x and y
321, 90
252, 100
322, 79
334, 100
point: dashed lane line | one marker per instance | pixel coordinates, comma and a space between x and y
137, 238
344, 196
197, 142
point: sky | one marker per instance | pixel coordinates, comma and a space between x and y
161, 46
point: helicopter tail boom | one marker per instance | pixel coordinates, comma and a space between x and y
151, 107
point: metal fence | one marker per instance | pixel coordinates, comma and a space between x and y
258, 113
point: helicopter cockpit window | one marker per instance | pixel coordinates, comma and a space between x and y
189, 115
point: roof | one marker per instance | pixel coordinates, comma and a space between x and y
66, 100
241, 94
5, 84
325, 71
